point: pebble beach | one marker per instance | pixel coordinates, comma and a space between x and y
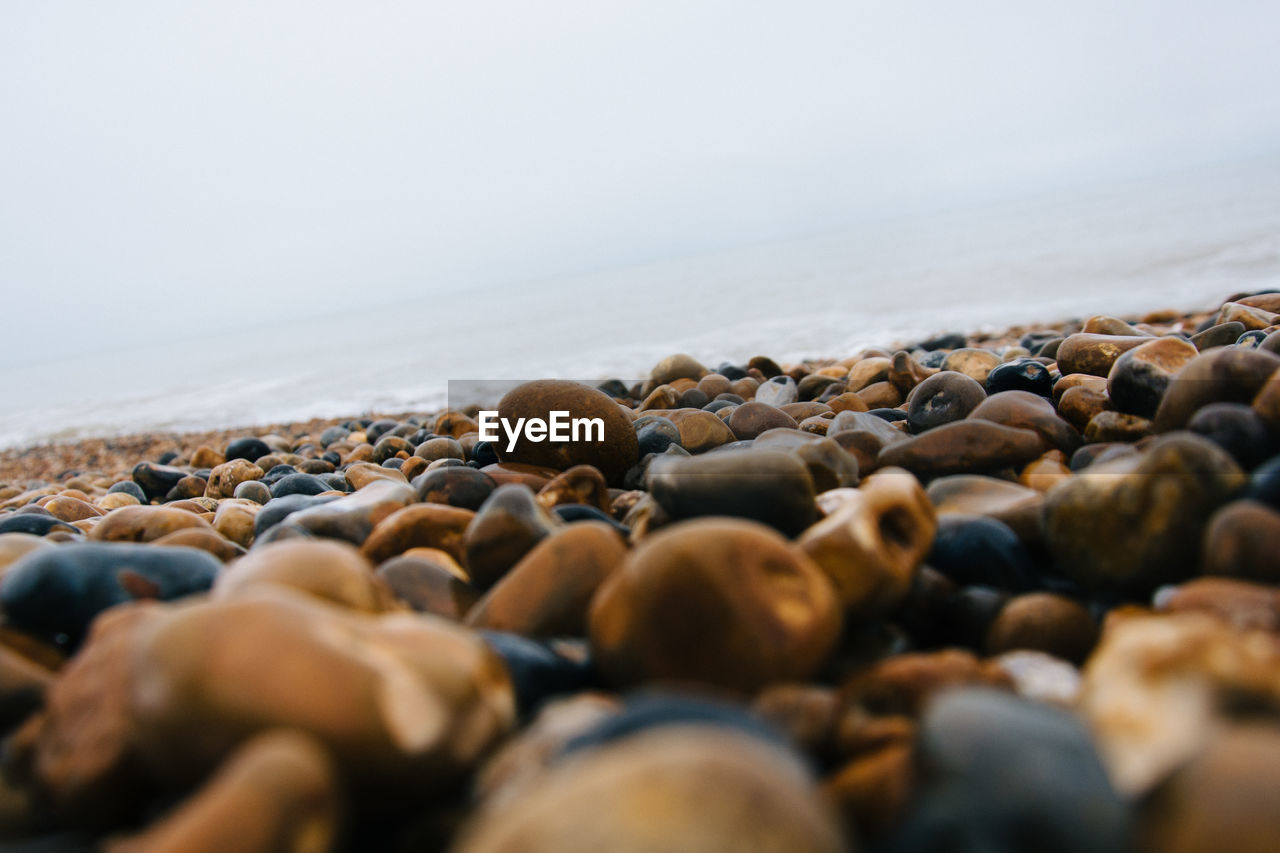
1004, 591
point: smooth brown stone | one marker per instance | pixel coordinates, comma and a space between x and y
1080, 404
1024, 410
770, 486
1106, 427
881, 395
872, 543
455, 424
354, 517
441, 447
1243, 541
224, 478
190, 486
455, 485
830, 465
548, 592
1043, 622
1226, 375
1265, 301
430, 581
1137, 521
713, 385
1244, 605
406, 703
1158, 685
234, 520
972, 362
71, 509
1095, 354
115, 500
1078, 380
666, 788
509, 524
1221, 335
905, 373
904, 684
361, 474
1267, 403
1251, 317
1222, 799
1141, 376
700, 431
206, 540
206, 457
847, 402
581, 484
804, 410
673, 367
277, 792
613, 456
817, 425
868, 371
963, 447
413, 466
144, 523
745, 387
974, 494
1103, 324
419, 526
943, 398
533, 476
332, 571
663, 397
740, 608
752, 418
1046, 472
807, 714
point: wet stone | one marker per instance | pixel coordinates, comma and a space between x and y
1024, 410
156, 480
581, 484
1221, 335
129, 487
458, 486
354, 516
1109, 427
538, 669
973, 494
1094, 354
278, 509
1137, 521
188, 487
1226, 375
507, 526
763, 485
1024, 374
1237, 429
1139, 378
144, 523
972, 549
59, 591
36, 524
249, 448
963, 447
429, 581
419, 526
977, 364
741, 609
331, 571
751, 419
655, 434
253, 490
1043, 622
778, 391
618, 452
943, 398
224, 479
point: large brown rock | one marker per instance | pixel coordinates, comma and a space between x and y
717, 601
1024, 410
548, 592
419, 526
1226, 375
1134, 522
506, 528
1095, 354
964, 447
145, 524
1139, 378
613, 456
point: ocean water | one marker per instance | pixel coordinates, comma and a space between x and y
1176, 241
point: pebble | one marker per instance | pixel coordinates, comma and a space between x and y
1243, 541
1024, 410
1022, 374
1137, 521
1094, 354
762, 485
436, 526
353, 517
977, 364
740, 609
611, 457
581, 484
751, 419
1043, 622
975, 549
156, 480
945, 397
1017, 506
1237, 429
224, 479
249, 448
144, 523
1217, 336
36, 524
331, 571
506, 527
59, 591
547, 593
871, 544
1225, 375
968, 446
1139, 378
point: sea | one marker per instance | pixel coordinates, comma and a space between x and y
1183, 240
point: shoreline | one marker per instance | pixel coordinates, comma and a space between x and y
50, 461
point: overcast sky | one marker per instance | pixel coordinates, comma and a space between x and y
221, 159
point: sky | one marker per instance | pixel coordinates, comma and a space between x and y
206, 163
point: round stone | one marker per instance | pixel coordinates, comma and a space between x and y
737, 605
613, 456
942, 398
